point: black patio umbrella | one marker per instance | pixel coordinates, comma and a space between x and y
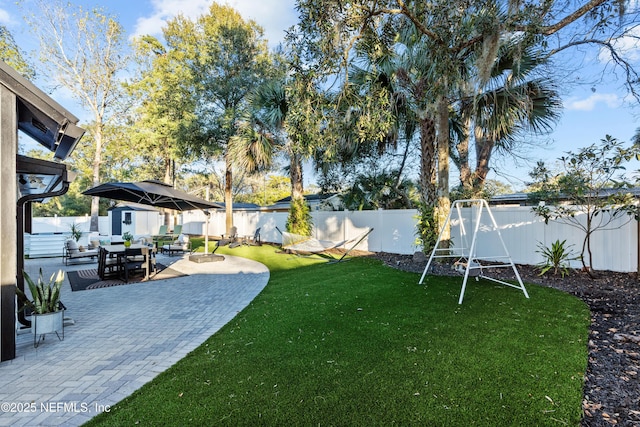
153, 193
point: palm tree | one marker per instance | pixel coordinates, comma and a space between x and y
513, 102
281, 122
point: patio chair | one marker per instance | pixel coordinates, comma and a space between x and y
72, 251
151, 266
232, 237
177, 231
162, 231
253, 240
162, 237
181, 244
107, 265
133, 259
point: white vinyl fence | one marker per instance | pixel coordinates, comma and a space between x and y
394, 230
615, 249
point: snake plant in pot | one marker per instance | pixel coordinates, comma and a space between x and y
47, 313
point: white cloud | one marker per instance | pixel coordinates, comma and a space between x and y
611, 100
5, 18
164, 10
274, 16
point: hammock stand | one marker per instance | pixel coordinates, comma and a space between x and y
298, 244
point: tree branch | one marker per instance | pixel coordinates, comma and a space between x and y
424, 30
572, 17
632, 76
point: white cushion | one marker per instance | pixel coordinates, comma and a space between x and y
176, 247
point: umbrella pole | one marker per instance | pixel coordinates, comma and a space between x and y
206, 234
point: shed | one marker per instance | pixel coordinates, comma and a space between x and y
136, 219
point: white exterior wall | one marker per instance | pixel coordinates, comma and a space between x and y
395, 232
143, 223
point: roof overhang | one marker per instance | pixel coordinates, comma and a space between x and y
39, 179
40, 117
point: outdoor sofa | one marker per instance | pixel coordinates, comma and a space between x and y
72, 252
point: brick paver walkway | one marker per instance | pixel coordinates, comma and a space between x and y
123, 337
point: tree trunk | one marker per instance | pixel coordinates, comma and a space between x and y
228, 194
427, 160
463, 159
443, 202
167, 170
484, 149
586, 245
297, 187
168, 179
97, 160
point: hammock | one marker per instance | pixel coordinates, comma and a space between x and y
298, 243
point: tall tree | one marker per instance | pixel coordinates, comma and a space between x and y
376, 121
283, 118
11, 54
84, 52
225, 58
515, 101
165, 109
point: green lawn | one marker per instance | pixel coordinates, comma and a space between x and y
358, 343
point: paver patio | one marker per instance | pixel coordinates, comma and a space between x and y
122, 338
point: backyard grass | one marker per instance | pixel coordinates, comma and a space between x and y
358, 343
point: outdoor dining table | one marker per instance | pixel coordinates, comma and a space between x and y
118, 250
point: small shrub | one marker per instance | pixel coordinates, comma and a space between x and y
556, 257
427, 233
299, 219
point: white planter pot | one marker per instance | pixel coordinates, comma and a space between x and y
42, 324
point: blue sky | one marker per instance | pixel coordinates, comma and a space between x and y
591, 111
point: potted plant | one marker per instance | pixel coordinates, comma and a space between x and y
127, 237
76, 233
47, 313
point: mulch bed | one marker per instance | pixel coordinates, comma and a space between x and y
612, 382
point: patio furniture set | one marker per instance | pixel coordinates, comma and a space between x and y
115, 260
121, 261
